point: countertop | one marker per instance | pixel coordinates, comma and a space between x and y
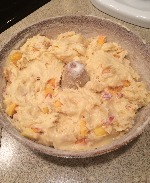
18, 164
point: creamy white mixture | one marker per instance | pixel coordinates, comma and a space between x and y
72, 118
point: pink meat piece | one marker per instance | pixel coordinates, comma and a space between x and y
109, 121
106, 95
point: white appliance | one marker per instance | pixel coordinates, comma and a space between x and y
133, 11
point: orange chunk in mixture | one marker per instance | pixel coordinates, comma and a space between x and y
11, 109
126, 83
115, 90
15, 57
29, 133
100, 131
57, 104
48, 90
50, 86
52, 82
45, 110
101, 40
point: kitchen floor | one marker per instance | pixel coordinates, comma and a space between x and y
18, 164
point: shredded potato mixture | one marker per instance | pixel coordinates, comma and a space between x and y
66, 118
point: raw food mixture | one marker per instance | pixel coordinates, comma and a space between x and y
72, 93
